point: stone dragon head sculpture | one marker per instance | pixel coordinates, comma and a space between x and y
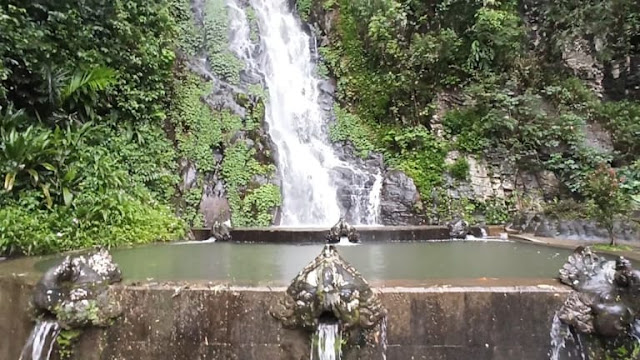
76, 291
606, 300
329, 286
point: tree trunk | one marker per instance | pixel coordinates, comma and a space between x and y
612, 238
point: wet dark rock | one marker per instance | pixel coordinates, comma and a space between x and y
547, 228
221, 231
342, 229
606, 301
189, 174
249, 77
329, 286
214, 205
223, 97
355, 182
398, 198
76, 292
574, 229
458, 228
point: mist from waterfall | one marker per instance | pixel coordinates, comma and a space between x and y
311, 173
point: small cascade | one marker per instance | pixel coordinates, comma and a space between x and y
329, 342
383, 337
40, 343
559, 333
373, 210
565, 344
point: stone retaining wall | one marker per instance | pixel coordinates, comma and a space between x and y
215, 322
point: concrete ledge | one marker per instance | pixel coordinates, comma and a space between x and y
317, 235
220, 322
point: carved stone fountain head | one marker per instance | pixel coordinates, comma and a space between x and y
342, 229
606, 300
76, 292
330, 287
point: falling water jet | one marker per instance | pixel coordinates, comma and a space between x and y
333, 301
327, 342
43, 333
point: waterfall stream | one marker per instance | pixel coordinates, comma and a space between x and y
328, 342
313, 176
41, 340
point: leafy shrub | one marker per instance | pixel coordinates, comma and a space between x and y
350, 127
416, 152
110, 220
607, 202
460, 169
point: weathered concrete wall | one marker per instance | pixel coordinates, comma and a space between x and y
214, 322
15, 324
367, 234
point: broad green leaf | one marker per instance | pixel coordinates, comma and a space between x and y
48, 166
34, 175
47, 195
9, 179
67, 196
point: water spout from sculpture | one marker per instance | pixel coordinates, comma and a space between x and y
41, 340
327, 341
71, 295
333, 301
601, 316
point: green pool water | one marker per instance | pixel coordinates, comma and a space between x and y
380, 262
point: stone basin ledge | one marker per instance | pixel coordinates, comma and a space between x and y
190, 321
368, 234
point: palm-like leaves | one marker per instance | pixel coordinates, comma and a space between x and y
77, 93
39, 157
88, 82
25, 154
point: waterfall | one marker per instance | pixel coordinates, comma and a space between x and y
42, 337
328, 346
316, 183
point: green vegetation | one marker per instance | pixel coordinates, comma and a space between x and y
607, 202
239, 169
393, 59
459, 169
607, 247
66, 340
304, 8
216, 29
83, 155
97, 110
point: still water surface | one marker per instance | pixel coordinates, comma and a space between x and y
247, 264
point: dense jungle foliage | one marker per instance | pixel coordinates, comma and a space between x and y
394, 60
83, 104
98, 113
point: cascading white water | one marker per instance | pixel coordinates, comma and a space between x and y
383, 337
558, 337
306, 160
329, 342
40, 343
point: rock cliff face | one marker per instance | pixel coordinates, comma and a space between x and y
398, 200
615, 79
572, 229
235, 96
495, 174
